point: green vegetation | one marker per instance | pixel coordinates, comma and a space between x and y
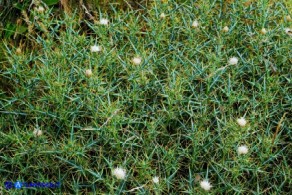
174, 115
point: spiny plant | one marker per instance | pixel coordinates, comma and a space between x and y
130, 101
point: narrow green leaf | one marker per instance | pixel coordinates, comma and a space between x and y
51, 2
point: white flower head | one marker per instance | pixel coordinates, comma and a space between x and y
241, 121
155, 179
233, 61
288, 31
95, 48
37, 132
119, 173
195, 24
40, 9
137, 60
162, 15
88, 72
205, 184
242, 149
103, 21
264, 31
225, 29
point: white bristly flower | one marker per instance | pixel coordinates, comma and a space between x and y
241, 122
88, 72
119, 173
40, 9
137, 60
288, 31
264, 31
103, 21
155, 179
233, 61
37, 132
95, 48
205, 184
162, 15
242, 149
225, 29
195, 24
